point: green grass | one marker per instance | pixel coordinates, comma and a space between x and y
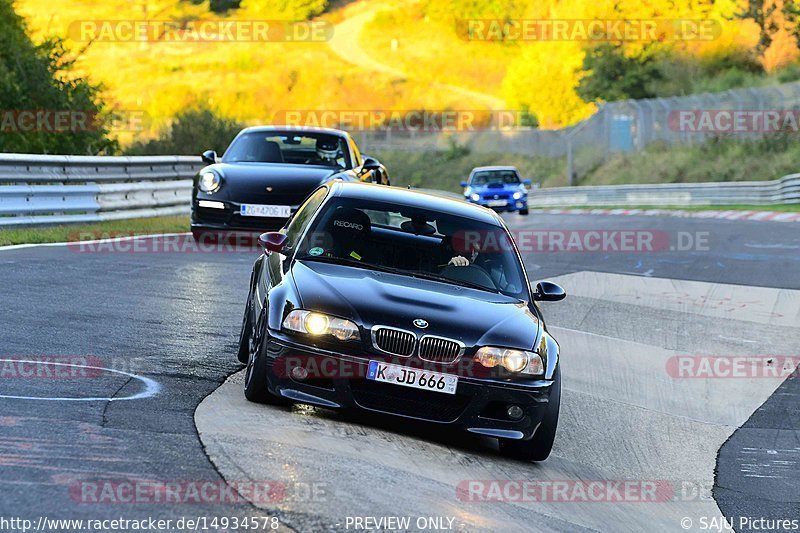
116, 228
721, 159
445, 170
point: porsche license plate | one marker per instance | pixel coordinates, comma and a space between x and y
258, 210
412, 377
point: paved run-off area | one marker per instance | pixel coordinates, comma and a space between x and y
626, 415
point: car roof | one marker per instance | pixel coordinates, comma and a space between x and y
495, 167
302, 129
412, 198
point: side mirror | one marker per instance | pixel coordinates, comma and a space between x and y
370, 164
464, 184
526, 182
272, 241
209, 157
547, 291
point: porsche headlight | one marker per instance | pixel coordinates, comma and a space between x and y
209, 181
517, 361
318, 324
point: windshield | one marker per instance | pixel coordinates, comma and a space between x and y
415, 242
487, 177
295, 148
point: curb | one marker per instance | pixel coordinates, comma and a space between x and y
759, 216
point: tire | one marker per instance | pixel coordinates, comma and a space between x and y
523, 211
539, 447
244, 336
255, 377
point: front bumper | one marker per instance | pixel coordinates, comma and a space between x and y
511, 206
205, 219
338, 380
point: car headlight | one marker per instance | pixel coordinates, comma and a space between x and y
318, 324
476, 197
209, 181
518, 195
517, 361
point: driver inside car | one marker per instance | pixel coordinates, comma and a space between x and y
327, 153
447, 250
446, 255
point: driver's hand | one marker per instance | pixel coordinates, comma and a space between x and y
459, 261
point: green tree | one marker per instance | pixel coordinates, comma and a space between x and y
611, 75
38, 79
190, 133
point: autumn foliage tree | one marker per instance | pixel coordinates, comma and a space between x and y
39, 79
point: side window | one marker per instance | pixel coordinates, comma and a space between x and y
304, 213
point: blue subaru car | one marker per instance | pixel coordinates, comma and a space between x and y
498, 188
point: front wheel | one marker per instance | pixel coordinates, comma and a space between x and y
255, 377
523, 211
246, 334
540, 446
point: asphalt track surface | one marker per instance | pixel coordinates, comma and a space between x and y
170, 321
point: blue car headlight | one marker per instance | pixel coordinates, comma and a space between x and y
475, 197
518, 195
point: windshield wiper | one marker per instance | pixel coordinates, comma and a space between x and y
413, 273
436, 277
351, 262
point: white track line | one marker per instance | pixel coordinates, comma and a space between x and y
96, 241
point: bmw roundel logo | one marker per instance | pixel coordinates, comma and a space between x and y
420, 323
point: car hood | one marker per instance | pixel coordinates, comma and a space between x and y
369, 297
248, 182
498, 187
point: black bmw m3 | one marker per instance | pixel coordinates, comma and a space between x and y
268, 171
405, 304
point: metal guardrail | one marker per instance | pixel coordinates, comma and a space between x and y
785, 190
46, 189
58, 189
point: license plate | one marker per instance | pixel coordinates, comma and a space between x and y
496, 203
412, 377
257, 210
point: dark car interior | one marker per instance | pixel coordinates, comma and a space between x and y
491, 177
289, 148
417, 242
